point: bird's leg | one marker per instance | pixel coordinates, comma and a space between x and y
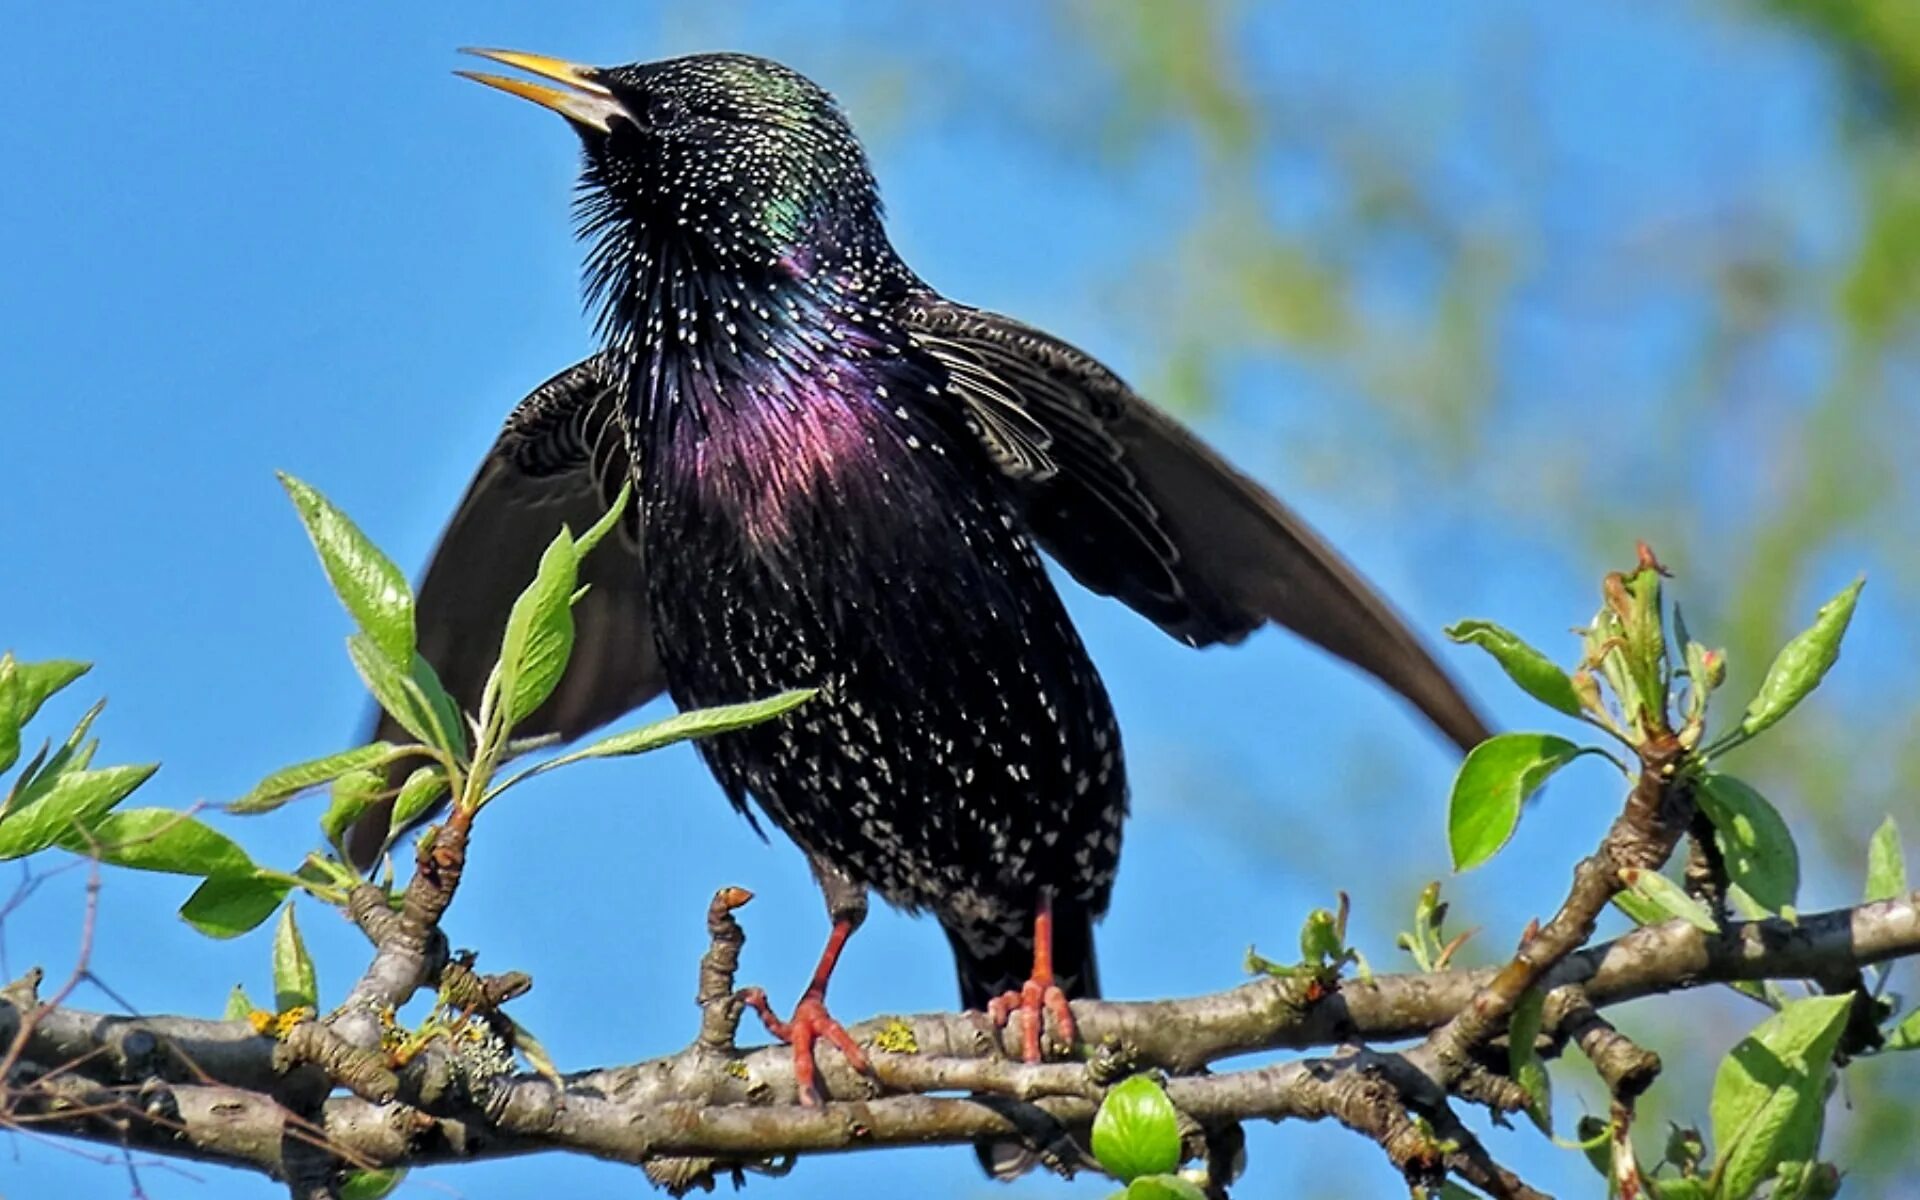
1040, 995
847, 904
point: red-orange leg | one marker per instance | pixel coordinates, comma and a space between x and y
1039, 997
811, 1021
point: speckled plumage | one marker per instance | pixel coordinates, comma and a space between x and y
841, 477
816, 509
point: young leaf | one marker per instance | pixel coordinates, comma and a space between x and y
1886, 863
539, 635
370, 1185
1497, 776
10, 719
1755, 843
1803, 1181
74, 798
229, 905
701, 722
1163, 1187
40, 680
294, 982
394, 689
417, 795
276, 789
160, 839
599, 529
1523, 1058
1663, 899
76, 754
1802, 662
440, 707
352, 794
1136, 1132
1595, 1139
1769, 1095
239, 1008
1537, 675
372, 588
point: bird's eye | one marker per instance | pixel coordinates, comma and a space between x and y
664, 111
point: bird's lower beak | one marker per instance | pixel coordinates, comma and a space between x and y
584, 100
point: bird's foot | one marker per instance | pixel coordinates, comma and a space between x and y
1036, 1000
810, 1022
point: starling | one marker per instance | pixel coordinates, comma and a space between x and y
842, 481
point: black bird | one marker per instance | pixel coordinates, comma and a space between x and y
841, 478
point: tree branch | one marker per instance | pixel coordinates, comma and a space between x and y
205, 1089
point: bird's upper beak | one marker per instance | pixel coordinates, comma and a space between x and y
585, 101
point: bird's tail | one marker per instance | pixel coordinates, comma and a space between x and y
986, 976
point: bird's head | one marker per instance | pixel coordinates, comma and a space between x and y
726, 161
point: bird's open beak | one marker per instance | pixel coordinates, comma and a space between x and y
584, 100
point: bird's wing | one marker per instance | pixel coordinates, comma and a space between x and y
1135, 506
561, 459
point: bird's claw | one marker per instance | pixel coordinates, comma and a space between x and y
810, 1022
1035, 1001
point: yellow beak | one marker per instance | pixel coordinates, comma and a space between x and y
584, 100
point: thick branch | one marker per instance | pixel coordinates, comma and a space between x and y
211, 1081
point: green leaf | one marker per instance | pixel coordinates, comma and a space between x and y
40, 680
417, 795
1755, 843
1663, 899
73, 799
1769, 1095
76, 754
395, 690
352, 794
1596, 1144
1163, 1187
1678, 1189
10, 720
1136, 1132
440, 707
276, 789
701, 722
372, 588
1320, 938
539, 635
24, 687
228, 906
239, 1008
1802, 662
370, 1185
1537, 675
1886, 863
160, 839
605, 524
1523, 1058
1497, 776
1805, 1181
294, 983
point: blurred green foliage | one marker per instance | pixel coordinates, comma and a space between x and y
1826, 455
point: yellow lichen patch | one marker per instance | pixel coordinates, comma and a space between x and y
738, 1070
283, 1023
896, 1037
261, 1020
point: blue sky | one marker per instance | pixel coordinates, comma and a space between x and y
256, 238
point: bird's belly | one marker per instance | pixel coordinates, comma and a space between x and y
961, 750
